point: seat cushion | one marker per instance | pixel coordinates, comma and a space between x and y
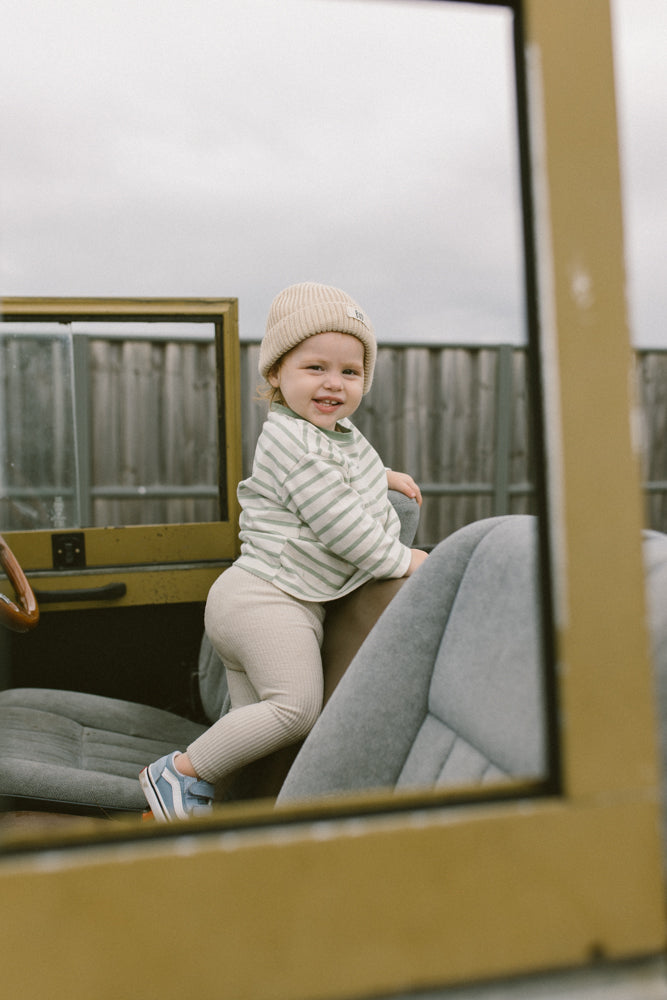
81, 749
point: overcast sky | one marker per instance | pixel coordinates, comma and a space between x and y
232, 147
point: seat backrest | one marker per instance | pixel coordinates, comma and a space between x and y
655, 563
447, 688
483, 719
212, 679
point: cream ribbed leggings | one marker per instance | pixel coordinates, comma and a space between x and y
270, 644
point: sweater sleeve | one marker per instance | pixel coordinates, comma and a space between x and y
318, 492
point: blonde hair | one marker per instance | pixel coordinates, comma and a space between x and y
267, 393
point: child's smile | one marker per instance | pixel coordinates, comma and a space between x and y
322, 378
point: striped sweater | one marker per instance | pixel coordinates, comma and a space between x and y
316, 520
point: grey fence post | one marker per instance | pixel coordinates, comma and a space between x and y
81, 390
504, 389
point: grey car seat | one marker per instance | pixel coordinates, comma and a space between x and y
448, 688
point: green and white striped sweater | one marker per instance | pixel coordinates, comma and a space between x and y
316, 520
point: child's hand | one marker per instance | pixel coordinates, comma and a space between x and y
403, 483
417, 558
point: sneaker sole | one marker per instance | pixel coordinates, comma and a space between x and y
152, 797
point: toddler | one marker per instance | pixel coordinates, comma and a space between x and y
316, 523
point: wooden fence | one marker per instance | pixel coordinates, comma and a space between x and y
456, 418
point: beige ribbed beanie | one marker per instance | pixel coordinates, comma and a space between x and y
303, 310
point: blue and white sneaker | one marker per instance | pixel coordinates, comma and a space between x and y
172, 795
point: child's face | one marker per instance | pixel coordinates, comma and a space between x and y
322, 378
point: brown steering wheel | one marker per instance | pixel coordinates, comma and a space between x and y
23, 615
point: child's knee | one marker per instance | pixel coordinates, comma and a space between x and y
304, 715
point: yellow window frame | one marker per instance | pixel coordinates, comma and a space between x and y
330, 905
161, 563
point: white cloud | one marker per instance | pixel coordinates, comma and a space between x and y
223, 148
640, 27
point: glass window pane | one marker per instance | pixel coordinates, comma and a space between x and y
110, 423
38, 454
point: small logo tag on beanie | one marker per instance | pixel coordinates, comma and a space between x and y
356, 314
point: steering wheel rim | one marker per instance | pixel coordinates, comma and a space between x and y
22, 615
